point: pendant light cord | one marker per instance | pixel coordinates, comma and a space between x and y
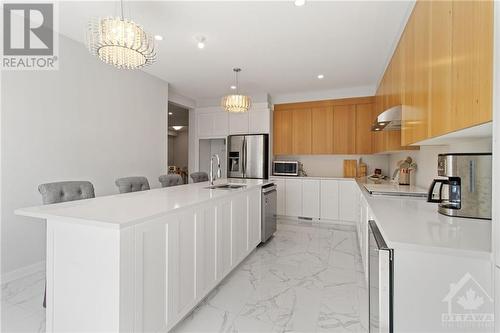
121, 5
237, 84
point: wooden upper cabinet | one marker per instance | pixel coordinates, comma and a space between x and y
415, 45
472, 62
344, 129
301, 131
440, 120
282, 132
364, 132
322, 130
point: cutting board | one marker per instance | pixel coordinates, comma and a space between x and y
350, 168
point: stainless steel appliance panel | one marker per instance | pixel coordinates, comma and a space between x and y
380, 272
286, 168
466, 191
269, 204
248, 156
235, 156
255, 156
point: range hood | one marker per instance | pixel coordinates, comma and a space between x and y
389, 120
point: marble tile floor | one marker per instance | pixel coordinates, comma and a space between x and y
307, 278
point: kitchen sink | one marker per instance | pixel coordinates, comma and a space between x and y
225, 187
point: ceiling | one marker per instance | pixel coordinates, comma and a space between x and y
280, 47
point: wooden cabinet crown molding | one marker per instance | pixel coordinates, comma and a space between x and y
324, 103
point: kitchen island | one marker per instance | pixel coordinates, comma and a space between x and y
142, 261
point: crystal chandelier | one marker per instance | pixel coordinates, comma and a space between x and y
236, 102
121, 42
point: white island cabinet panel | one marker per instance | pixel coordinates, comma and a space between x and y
329, 199
239, 231
254, 214
205, 250
348, 201
293, 197
223, 239
140, 262
310, 198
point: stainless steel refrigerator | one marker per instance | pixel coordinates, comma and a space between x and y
248, 156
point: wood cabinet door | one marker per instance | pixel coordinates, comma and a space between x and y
416, 44
440, 121
364, 132
472, 68
344, 129
282, 136
322, 130
301, 131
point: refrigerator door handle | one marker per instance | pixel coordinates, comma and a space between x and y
244, 157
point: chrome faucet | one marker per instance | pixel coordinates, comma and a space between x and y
212, 178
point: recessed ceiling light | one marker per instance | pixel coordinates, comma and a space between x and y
200, 42
177, 128
158, 37
170, 113
233, 87
299, 3
321, 76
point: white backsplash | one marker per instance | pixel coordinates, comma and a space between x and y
333, 165
426, 158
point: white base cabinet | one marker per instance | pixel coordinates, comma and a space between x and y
311, 198
329, 199
293, 197
348, 201
323, 199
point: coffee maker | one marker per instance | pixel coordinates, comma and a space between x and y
466, 191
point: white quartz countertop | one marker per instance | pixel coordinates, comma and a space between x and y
123, 210
311, 177
415, 224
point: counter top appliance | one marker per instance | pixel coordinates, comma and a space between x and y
466, 190
248, 156
286, 168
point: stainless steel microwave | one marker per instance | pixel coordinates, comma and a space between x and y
286, 168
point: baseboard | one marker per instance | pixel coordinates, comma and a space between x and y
22, 272
315, 220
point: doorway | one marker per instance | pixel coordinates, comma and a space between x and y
178, 140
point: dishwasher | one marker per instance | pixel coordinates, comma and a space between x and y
269, 198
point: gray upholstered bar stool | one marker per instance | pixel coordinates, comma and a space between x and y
62, 192
172, 179
199, 177
132, 184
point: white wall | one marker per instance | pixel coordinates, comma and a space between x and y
333, 165
85, 121
426, 158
